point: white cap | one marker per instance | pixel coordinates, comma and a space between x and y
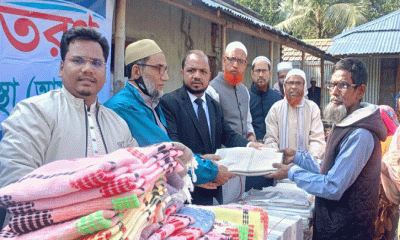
284, 66
301, 73
235, 45
263, 58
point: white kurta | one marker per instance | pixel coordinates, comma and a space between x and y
312, 126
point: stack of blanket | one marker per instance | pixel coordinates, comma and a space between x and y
122, 192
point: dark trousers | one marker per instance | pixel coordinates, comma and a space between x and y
258, 183
201, 196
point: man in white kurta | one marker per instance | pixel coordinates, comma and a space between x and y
295, 122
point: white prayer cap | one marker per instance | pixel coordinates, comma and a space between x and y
284, 66
235, 45
301, 73
263, 58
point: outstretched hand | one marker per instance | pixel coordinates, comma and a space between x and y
288, 155
212, 157
223, 175
281, 173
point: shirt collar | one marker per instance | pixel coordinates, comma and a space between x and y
193, 97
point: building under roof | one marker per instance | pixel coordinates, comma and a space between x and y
379, 37
377, 44
181, 25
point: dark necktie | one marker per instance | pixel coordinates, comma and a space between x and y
201, 115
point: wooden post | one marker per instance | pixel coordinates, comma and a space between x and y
303, 59
322, 81
118, 81
223, 43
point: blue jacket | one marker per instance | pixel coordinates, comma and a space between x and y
260, 103
131, 107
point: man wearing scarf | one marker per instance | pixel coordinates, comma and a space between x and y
228, 90
295, 122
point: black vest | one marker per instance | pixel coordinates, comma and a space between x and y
353, 216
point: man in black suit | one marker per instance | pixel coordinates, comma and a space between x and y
196, 120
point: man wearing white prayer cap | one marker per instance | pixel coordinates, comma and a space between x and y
295, 122
227, 88
282, 69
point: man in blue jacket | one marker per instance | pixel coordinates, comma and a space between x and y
138, 104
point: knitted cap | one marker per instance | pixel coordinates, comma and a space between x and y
264, 58
235, 45
284, 66
140, 49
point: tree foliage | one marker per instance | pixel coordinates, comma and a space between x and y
320, 18
269, 9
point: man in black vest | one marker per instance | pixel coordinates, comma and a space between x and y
346, 183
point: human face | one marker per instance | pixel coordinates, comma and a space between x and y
261, 75
349, 97
282, 75
294, 89
232, 59
151, 76
196, 74
82, 80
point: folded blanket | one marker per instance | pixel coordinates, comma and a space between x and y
75, 198
241, 216
69, 230
204, 218
67, 176
174, 223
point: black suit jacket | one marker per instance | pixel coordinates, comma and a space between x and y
183, 124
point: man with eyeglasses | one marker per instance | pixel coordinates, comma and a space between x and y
262, 97
346, 182
295, 122
138, 103
227, 88
68, 122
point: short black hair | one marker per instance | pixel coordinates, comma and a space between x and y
356, 67
128, 68
197, 52
82, 33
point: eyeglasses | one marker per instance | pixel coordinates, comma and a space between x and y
79, 61
340, 85
263, 71
161, 69
232, 60
297, 84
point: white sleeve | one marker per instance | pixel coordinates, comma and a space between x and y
250, 128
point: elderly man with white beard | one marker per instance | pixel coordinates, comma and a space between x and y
346, 182
295, 122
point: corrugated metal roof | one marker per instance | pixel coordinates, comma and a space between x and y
290, 54
218, 4
380, 36
226, 7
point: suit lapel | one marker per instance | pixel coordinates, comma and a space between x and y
211, 113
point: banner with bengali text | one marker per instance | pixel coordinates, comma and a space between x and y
30, 44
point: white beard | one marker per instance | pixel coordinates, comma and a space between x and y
334, 113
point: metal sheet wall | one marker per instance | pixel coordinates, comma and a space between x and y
373, 65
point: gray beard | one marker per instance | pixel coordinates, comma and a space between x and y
151, 89
334, 114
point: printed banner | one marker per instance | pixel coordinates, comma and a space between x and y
30, 44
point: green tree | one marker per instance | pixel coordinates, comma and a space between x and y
379, 8
321, 18
269, 9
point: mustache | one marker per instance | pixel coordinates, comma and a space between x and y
339, 99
